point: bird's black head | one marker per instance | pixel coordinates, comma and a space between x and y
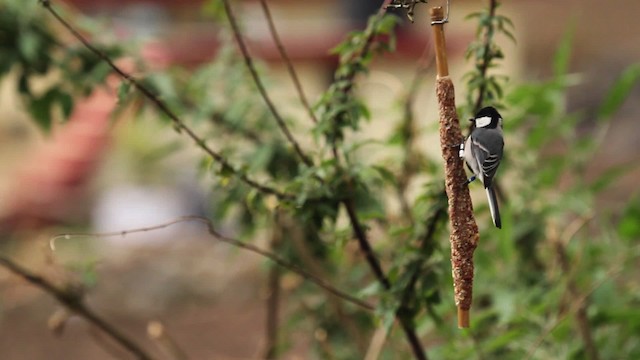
488, 118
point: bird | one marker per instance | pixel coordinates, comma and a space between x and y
482, 151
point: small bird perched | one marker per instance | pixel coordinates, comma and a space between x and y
484, 152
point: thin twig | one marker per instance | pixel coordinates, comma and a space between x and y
179, 124
287, 61
237, 243
256, 78
108, 345
74, 301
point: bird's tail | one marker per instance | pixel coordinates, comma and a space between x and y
493, 207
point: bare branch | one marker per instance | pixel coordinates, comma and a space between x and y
73, 299
254, 73
287, 61
237, 243
179, 124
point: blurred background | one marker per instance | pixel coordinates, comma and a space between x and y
100, 174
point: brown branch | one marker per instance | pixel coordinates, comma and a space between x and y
273, 295
427, 239
237, 243
263, 92
178, 123
464, 230
73, 300
287, 61
273, 309
365, 247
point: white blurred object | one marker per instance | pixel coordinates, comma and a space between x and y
127, 207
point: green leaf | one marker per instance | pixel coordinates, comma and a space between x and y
30, 45
619, 92
610, 175
66, 103
563, 53
629, 226
123, 91
387, 24
40, 108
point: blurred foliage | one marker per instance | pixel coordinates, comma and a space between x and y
34, 51
522, 308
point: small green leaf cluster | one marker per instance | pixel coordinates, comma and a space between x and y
33, 52
484, 53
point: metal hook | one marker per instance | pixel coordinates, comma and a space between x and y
410, 6
406, 4
446, 16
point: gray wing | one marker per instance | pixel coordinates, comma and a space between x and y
488, 153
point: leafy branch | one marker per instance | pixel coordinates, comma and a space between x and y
485, 52
179, 124
339, 110
287, 61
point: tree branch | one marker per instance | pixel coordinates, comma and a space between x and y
237, 243
345, 81
287, 61
179, 124
73, 300
254, 73
426, 240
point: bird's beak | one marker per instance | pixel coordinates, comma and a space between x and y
471, 119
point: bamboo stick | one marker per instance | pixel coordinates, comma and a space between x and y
464, 230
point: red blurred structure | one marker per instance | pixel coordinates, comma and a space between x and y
52, 180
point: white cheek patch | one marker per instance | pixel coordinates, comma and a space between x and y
483, 121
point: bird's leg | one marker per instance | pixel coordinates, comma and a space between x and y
470, 180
